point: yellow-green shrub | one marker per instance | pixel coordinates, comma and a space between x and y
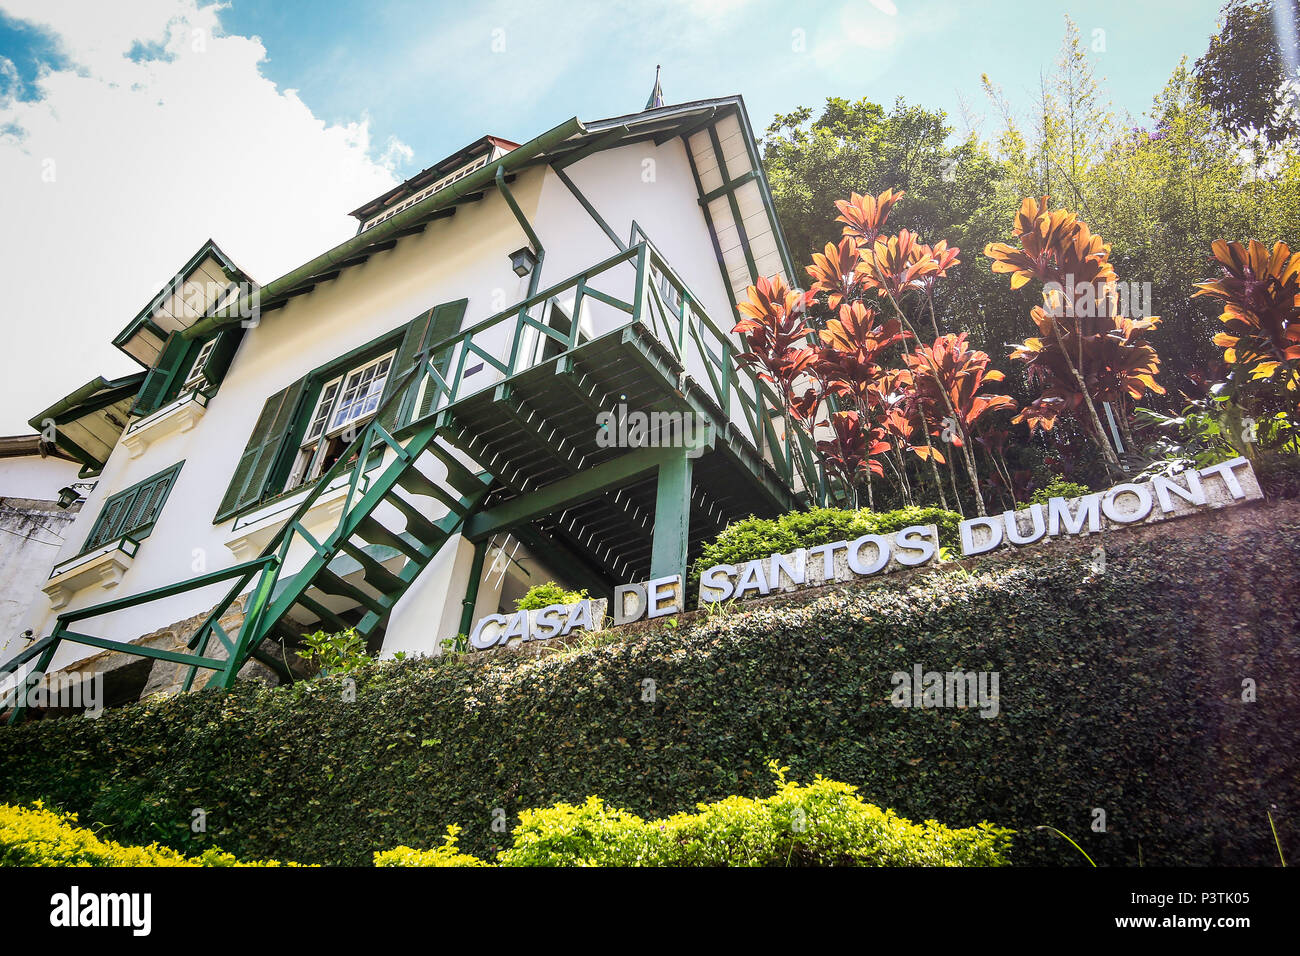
35, 836
446, 855
823, 824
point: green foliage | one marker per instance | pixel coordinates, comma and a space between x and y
823, 824
344, 651
1244, 73
1058, 487
752, 538
1097, 672
449, 854
544, 595
35, 836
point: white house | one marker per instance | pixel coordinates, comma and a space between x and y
406, 432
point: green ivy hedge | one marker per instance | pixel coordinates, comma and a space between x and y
1119, 691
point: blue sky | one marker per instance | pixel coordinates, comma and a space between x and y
427, 74
133, 130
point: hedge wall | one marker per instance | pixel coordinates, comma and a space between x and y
1120, 691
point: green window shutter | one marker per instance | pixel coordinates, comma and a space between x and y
108, 524
157, 383
214, 369
426, 329
446, 323
133, 510
257, 463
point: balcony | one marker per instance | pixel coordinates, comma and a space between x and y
523, 392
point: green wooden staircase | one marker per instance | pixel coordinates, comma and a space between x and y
382, 540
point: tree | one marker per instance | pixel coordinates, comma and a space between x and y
1249, 73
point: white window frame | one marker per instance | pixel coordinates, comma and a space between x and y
324, 426
196, 378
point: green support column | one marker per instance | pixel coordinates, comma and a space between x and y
471, 589
672, 517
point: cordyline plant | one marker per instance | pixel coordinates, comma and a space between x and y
947, 378
776, 340
875, 415
1085, 354
1260, 290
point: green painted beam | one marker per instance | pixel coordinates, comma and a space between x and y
138, 650
591, 210
735, 207
595, 146
568, 491
672, 517
730, 187
470, 600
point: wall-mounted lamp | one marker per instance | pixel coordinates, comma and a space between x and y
69, 495
522, 261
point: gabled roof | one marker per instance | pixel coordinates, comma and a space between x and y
89, 421
203, 282
564, 145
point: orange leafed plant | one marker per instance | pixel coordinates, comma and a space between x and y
1260, 290
864, 217
949, 366
775, 332
1085, 352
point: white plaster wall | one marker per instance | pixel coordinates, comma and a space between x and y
32, 476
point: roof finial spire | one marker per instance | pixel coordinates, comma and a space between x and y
657, 94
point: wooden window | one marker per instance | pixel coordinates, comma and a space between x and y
132, 513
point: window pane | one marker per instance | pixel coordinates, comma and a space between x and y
322, 411
361, 393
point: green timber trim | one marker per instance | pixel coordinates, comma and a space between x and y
615, 135
708, 119
756, 161
732, 186
93, 397
735, 206
591, 210
713, 235
143, 318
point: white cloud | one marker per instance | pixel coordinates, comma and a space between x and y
149, 157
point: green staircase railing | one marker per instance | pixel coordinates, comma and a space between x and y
358, 534
509, 342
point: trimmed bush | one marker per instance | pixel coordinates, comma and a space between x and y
544, 595
1121, 690
448, 854
35, 836
824, 824
1058, 487
752, 538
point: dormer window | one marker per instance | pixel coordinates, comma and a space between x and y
196, 379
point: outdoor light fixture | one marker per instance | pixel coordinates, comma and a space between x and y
522, 261
69, 495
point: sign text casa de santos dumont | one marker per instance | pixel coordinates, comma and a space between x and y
1126, 505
